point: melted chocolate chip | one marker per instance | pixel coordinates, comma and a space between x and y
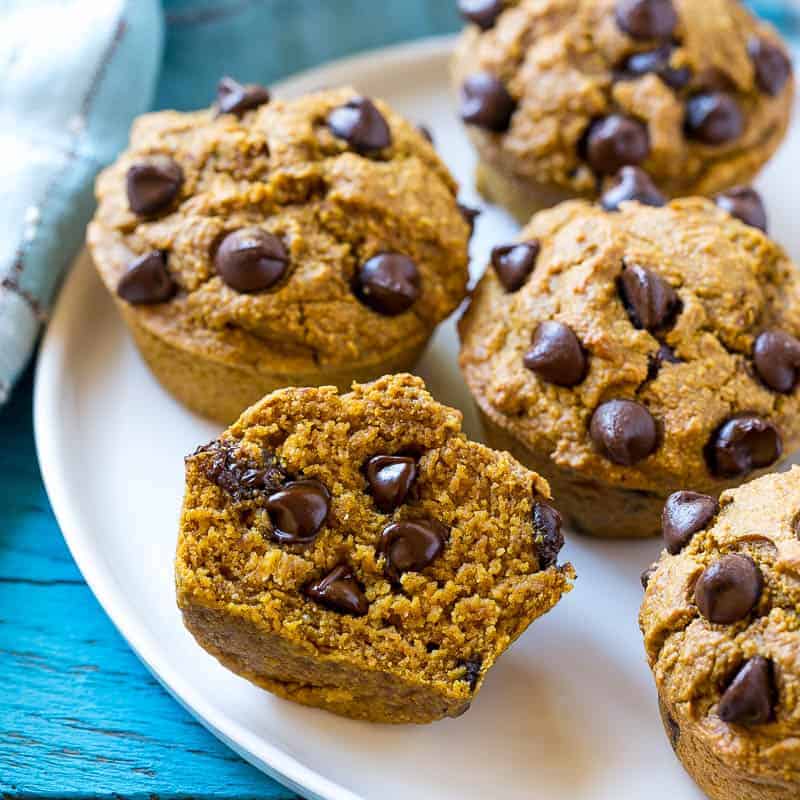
644, 578
472, 671
556, 354
650, 301
664, 355
713, 118
616, 141
411, 545
339, 591
657, 62
624, 431
513, 263
298, 511
426, 132
745, 204
485, 102
771, 64
390, 479
236, 98
470, 215
147, 280
388, 283
632, 183
742, 444
241, 478
646, 19
750, 697
483, 13
361, 125
684, 514
251, 260
153, 185
776, 356
548, 539
729, 589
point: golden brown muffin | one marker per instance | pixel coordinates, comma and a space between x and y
358, 553
721, 625
559, 94
306, 242
626, 354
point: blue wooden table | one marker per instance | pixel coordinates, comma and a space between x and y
79, 715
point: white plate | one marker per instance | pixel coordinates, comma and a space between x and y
569, 713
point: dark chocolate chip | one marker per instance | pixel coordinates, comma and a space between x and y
483, 13
388, 283
513, 263
646, 19
411, 545
664, 355
390, 479
713, 118
742, 444
472, 671
241, 478
771, 64
548, 538
153, 185
684, 514
729, 589
615, 141
147, 280
470, 215
298, 511
426, 132
646, 575
556, 354
776, 356
485, 102
361, 125
632, 183
750, 698
673, 729
650, 301
251, 260
339, 591
657, 62
745, 204
236, 98
624, 431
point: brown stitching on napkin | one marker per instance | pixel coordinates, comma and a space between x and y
105, 60
201, 16
35, 306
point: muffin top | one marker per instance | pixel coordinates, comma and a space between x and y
367, 523
647, 348
313, 231
721, 625
566, 92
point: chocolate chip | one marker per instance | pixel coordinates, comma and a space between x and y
556, 355
632, 183
236, 98
388, 283
673, 729
483, 13
548, 537
361, 125
298, 511
750, 698
147, 280
729, 589
485, 102
624, 431
650, 301
713, 118
684, 514
613, 142
742, 444
426, 132
646, 19
340, 591
771, 64
513, 263
657, 62
646, 575
472, 671
410, 545
153, 185
664, 355
776, 356
390, 479
745, 204
251, 260
242, 479
470, 215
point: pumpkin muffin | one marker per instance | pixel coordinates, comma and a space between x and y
264, 243
358, 553
559, 94
626, 353
721, 626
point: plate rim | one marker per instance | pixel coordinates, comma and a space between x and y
267, 757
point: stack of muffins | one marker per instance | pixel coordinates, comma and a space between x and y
635, 349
